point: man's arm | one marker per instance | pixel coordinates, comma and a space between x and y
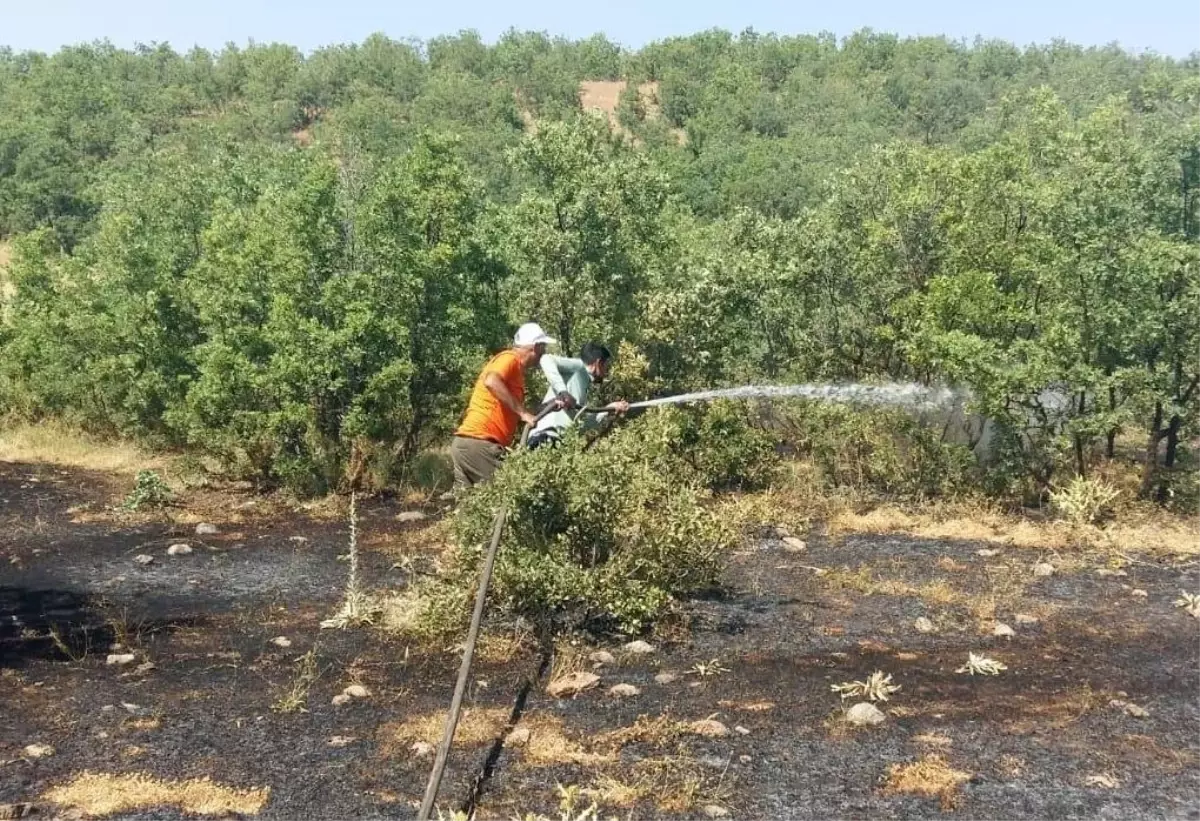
558, 369
496, 385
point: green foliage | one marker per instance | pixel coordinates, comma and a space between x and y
887, 451
1084, 501
604, 537
149, 490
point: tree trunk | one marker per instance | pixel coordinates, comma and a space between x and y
1080, 457
1172, 440
1111, 437
1150, 466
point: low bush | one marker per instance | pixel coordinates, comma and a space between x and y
602, 537
882, 450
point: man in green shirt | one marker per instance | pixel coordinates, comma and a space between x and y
571, 380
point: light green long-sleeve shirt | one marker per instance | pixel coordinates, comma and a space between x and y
570, 375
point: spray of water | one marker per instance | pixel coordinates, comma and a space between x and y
908, 394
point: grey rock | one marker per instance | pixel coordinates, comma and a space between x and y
864, 714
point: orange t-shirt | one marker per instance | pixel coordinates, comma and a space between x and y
486, 418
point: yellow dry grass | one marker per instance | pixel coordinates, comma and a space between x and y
931, 777
57, 444
1145, 531
100, 794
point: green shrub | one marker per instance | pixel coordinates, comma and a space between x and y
603, 537
884, 450
149, 490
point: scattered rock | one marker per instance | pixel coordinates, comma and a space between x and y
131, 708
1002, 630
572, 684
341, 740
624, 691
145, 667
281, 641
356, 691
987, 552
1107, 571
108, 708
665, 678
179, 549
1043, 569
713, 762
745, 759
864, 713
206, 529
714, 811
1141, 594
741, 730
1024, 618
38, 751
121, 658
422, 749
1104, 780
602, 657
518, 737
794, 545
1130, 708
411, 516
340, 699
143, 559
639, 648
709, 728
298, 539
923, 625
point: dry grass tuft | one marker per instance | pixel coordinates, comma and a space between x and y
933, 739
548, 745
930, 777
611, 792
99, 794
58, 444
748, 706
656, 731
475, 726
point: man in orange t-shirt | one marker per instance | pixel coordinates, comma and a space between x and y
496, 408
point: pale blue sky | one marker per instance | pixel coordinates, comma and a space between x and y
1170, 27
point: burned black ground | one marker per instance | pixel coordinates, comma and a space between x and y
1033, 739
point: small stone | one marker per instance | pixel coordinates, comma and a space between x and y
356, 691
179, 549
741, 730
602, 657
108, 708
38, 750
341, 740
1104, 780
864, 713
1002, 630
639, 648
745, 759
572, 684
281, 641
1043, 569
131, 708
714, 811
411, 516
518, 737
624, 691
143, 559
145, 667
794, 545
665, 678
121, 658
206, 529
782, 531
1026, 619
1130, 708
100, 735
987, 553
340, 699
298, 539
923, 625
1141, 594
709, 728
422, 749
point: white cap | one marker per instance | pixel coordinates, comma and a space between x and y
531, 334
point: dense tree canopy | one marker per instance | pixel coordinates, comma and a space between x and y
295, 262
